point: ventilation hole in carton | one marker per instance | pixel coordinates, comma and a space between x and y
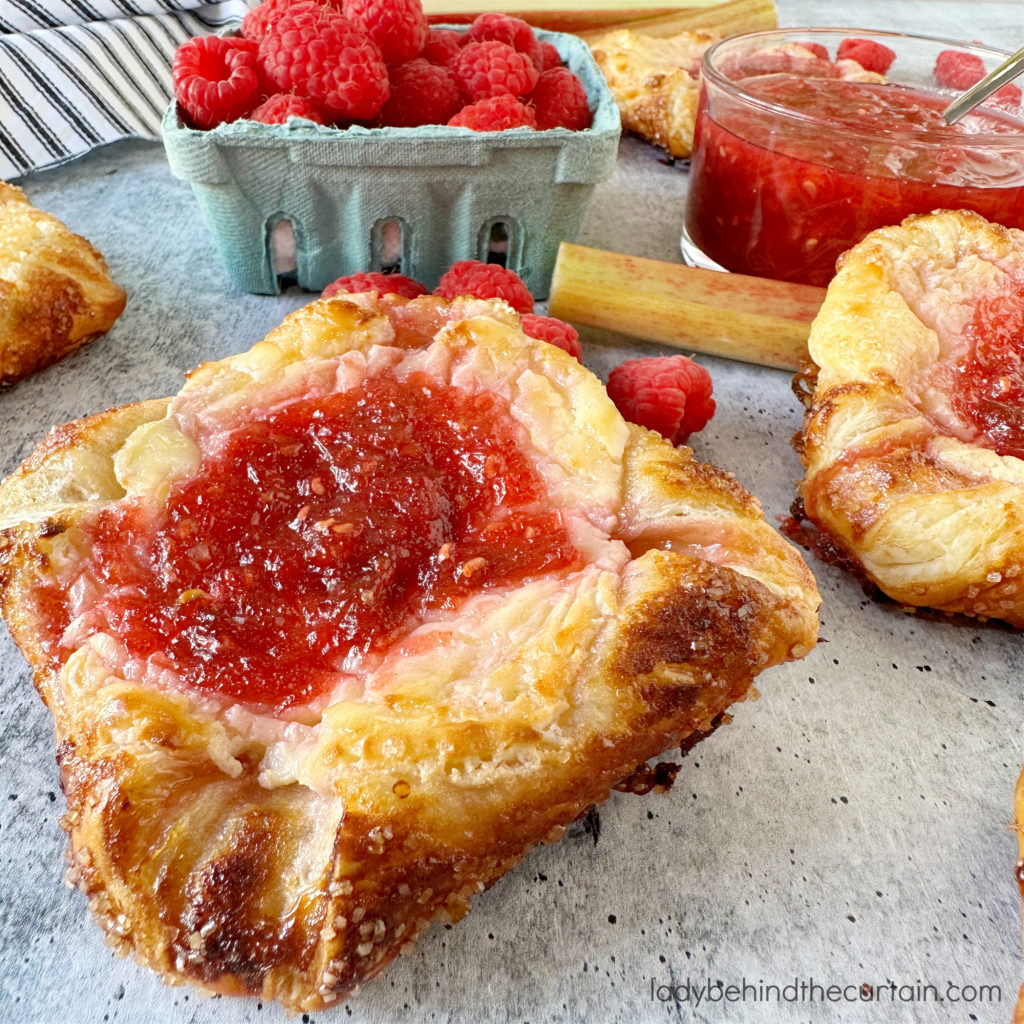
501, 241
282, 247
388, 242
497, 240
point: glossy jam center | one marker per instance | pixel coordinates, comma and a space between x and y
990, 380
313, 535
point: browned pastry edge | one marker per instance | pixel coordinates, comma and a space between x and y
56, 293
655, 82
390, 874
1018, 803
927, 519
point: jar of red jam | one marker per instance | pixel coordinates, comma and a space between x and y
804, 143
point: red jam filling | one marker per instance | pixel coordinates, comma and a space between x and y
772, 198
314, 533
990, 380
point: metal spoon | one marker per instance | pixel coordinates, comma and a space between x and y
1006, 72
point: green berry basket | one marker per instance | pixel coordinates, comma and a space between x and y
409, 199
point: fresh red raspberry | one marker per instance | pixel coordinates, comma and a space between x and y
958, 70
421, 93
869, 54
384, 284
497, 114
669, 394
282, 105
260, 18
491, 69
818, 49
316, 52
560, 101
485, 281
216, 79
505, 29
549, 57
442, 44
398, 27
554, 332
1008, 97
257, 21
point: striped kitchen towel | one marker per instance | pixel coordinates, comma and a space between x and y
76, 74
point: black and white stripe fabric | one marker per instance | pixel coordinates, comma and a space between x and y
75, 74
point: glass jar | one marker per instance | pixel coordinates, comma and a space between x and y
798, 155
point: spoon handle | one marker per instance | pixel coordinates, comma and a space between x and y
1006, 72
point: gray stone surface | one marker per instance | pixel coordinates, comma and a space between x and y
853, 825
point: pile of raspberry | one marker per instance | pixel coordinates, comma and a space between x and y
667, 394
376, 63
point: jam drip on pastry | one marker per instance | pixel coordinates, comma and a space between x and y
990, 379
315, 533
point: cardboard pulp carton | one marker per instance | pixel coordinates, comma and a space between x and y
409, 199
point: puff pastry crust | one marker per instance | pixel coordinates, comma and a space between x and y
904, 485
295, 855
55, 290
656, 83
1018, 806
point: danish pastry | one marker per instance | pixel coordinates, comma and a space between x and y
55, 290
338, 633
656, 83
1018, 806
913, 441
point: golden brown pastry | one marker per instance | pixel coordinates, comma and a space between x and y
55, 290
913, 442
656, 83
1018, 802
338, 633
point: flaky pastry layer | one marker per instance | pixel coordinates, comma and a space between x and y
656, 83
55, 290
894, 475
296, 856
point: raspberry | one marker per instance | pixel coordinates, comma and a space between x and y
260, 18
505, 29
257, 21
1008, 97
485, 281
560, 101
216, 79
282, 105
398, 27
442, 44
818, 49
491, 69
549, 57
497, 114
554, 332
385, 284
958, 70
870, 55
669, 394
316, 52
421, 93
